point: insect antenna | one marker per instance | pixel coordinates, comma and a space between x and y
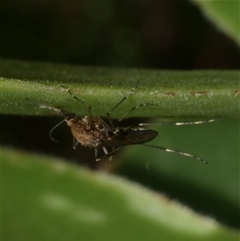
61, 111
50, 133
178, 123
120, 102
176, 151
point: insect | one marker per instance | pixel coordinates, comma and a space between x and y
93, 132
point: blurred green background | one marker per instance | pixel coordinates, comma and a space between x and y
169, 34
161, 34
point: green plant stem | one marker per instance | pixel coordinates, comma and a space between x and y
171, 93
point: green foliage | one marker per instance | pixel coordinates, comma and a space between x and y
46, 199
224, 13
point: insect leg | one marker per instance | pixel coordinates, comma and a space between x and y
58, 110
134, 108
106, 152
175, 151
178, 123
83, 102
109, 154
75, 143
96, 152
120, 102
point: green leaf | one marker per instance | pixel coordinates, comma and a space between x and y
224, 13
213, 188
46, 199
171, 93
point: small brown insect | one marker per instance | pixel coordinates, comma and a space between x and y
93, 132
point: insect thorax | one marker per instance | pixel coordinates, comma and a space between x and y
90, 131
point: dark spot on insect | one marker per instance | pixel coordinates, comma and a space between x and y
94, 132
237, 92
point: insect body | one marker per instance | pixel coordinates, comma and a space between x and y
96, 133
